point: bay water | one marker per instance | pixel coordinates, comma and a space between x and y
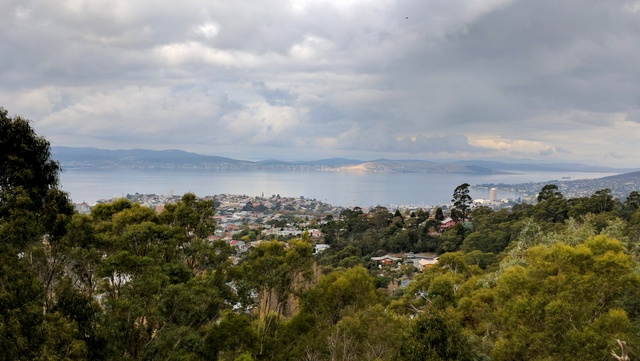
336, 188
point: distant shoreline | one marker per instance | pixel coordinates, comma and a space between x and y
94, 158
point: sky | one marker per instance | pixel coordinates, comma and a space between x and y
548, 80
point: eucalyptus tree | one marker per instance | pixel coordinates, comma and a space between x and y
34, 215
462, 200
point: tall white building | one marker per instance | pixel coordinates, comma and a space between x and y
493, 194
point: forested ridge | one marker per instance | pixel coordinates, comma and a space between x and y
551, 281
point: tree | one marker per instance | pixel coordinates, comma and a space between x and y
549, 191
232, 336
565, 302
380, 217
552, 207
630, 205
601, 201
194, 217
433, 336
461, 199
34, 214
368, 334
340, 293
29, 198
276, 272
26, 162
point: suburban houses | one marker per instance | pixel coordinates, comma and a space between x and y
243, 221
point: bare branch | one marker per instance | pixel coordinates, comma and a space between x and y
623, 356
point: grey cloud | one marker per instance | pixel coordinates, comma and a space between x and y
153, 114
381, 140
358, 74
546, 152
274, 96
436, 144
530, 58
596, 119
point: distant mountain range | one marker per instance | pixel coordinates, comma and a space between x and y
70, 158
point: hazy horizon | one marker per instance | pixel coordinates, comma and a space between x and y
504, 160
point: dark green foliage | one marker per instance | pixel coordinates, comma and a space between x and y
434, 337
21, 298
34, 215
31, 205
338, 293
551, 210
381, 281
233, 335
25, 163
86, 313
462, 200
494, 230
483, 260
549, 191
452, 239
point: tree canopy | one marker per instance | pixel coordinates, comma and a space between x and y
462, 201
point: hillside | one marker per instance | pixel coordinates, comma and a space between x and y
86, 158
620, 185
